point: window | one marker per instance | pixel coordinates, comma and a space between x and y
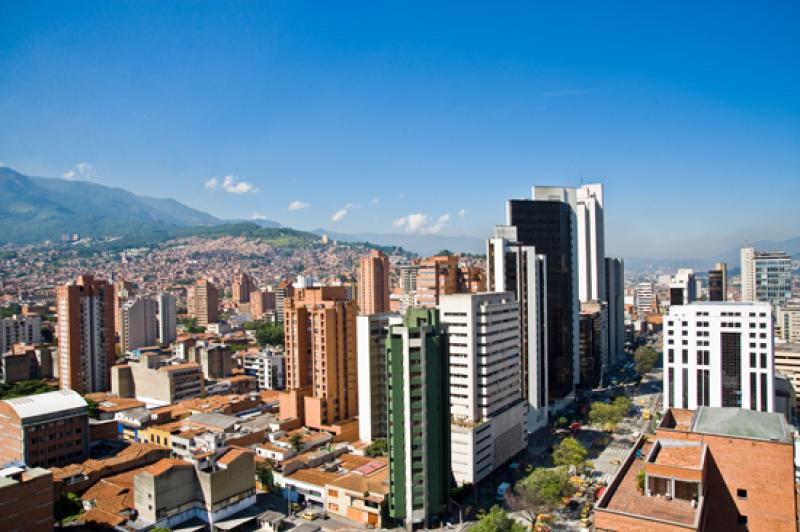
670, 356
685, 356
741, 519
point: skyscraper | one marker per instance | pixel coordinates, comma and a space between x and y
488, 414
514, 267
549, 225
202, 302
241, 287
166, 318
718, 282
419, 418
85, 311
615, 294
321, 374
590, 230
436, 276
139, 325
373, 283
593, 348
766, 276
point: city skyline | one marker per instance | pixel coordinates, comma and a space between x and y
320, 118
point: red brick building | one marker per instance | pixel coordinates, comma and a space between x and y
26, 499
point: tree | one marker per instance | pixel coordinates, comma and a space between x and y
621, 406
497, 520
645, 358
10, 310
608, 415
296, 441
569, 452
264, 475
191, 326
270, 334
23, 388
378, 448
542, 491
47, 335
92, 404
67, 507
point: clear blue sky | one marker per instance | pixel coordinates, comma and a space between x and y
689, 114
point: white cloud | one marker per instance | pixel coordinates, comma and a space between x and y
258, 216
235, 186
462, 212
338, 215
211, 184
296, 205
81, 171
352, 206
422, 223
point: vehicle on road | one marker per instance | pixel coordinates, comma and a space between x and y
502, 489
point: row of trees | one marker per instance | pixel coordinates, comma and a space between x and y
609, 415
266, 333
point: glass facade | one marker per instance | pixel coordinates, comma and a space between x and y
731, 352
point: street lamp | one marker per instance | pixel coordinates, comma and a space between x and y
459, 510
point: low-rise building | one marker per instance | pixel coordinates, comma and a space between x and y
157, 384
48, 429
26, 499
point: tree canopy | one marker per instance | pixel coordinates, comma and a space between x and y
379, 447
645, 358
270, 334
569, 452
542, 490
22, 388
497, 520
609, 414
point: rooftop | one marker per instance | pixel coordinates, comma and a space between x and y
738, 422
679, 453
46, 403
213, 420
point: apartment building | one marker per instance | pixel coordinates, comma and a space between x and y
718, 282
25, 362
593, 343
241, 288
645, 298
435, 277
371, 335
215, 359
682, 287
321, 374
19, 329
48, 429
261, 301
419, 418
268, 367
487, 411
202, 302
787, 362
373, 283
766, 276
85, 331
719, 354
26, 499
139, 326
787, 321
512, 266
167, 319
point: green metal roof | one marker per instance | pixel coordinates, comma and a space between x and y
738, 422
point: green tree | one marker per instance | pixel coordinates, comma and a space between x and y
569, 452
541, 492
191, 326
270, 334
621, 406
47, 335
605, 414
67, 507
23, 388
645, 359
9, 310
378, 448
296, 441
264, 475
497, 520
93, 413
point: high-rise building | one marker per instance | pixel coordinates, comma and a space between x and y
590, 230
373, 283
241, 288
548, 223
371, 332
123, 290
202, 302
166, 318
282, 293
139, 324
514, 267
682, 287
488, 414
615, 294
593, 346
787, 322
718, 282
436, 276
321, 374
19, 329
719, 354
261, 301
419, 418
766, 276
86, 351
645, 296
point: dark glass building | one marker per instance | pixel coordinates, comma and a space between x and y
549, 226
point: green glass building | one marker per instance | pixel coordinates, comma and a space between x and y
418, 382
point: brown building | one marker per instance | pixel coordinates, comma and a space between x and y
241, 288
713, 469
320, 332
471, 280
373, 283
26, 499
202, 302
436, 276
85, 334
260, 302
48, 429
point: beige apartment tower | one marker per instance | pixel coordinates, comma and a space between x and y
373, 283
202, 302
86, 353
320, 331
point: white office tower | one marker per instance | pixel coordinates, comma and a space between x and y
514, 267
682, 287
591, 242
645, 292
719, 354
488, 414
371, 333
138, 319
19, 329
166, 319
766, 276
615, 294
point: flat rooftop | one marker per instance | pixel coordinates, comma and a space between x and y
679, 453
738, 422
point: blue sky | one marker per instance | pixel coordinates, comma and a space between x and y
689, 114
